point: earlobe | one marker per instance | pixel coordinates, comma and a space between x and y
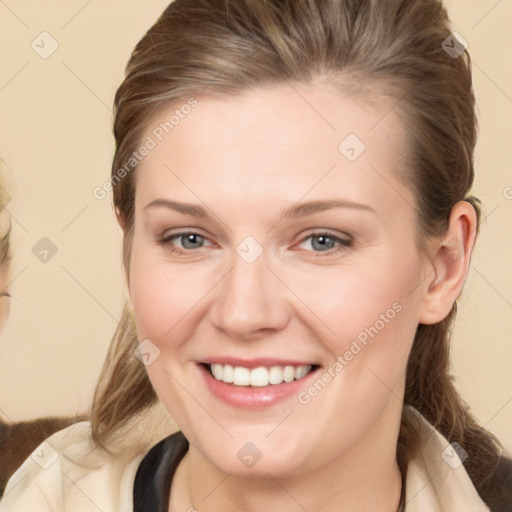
451, 256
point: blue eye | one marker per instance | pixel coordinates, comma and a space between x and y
327, 243
187, 237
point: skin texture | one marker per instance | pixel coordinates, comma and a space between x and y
246, 159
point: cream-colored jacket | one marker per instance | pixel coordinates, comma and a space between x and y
67, 472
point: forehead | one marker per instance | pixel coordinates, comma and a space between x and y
279, 142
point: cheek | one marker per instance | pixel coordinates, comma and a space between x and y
161, 299
362, 301
163, 305
369, 317
373, 316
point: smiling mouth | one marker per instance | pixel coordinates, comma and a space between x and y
258, 377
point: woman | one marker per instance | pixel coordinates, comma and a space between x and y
320, 153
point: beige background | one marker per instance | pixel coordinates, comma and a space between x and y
56, 143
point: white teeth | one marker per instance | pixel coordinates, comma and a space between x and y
227, 373
217, 371
289, 373
259, 377
300, 372
275, 375
241, 376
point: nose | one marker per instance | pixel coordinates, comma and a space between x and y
250, 301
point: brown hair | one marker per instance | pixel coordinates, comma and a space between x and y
222, 47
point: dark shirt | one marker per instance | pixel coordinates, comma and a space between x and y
154, 475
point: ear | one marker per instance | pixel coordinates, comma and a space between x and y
451, 257
121, 221
119, 217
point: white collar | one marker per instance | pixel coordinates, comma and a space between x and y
436, 479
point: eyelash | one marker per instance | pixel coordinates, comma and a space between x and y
343, 243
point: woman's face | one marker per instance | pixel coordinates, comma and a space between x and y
266, 282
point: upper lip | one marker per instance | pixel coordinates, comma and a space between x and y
254, 363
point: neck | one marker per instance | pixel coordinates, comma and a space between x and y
366, 477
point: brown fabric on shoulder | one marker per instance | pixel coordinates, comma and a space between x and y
19, 439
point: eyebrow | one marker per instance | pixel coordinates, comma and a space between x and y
296, 211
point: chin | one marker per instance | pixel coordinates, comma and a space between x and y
257, 458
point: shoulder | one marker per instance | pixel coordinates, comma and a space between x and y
439, 470
68, 471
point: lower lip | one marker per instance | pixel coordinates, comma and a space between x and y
253, 397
